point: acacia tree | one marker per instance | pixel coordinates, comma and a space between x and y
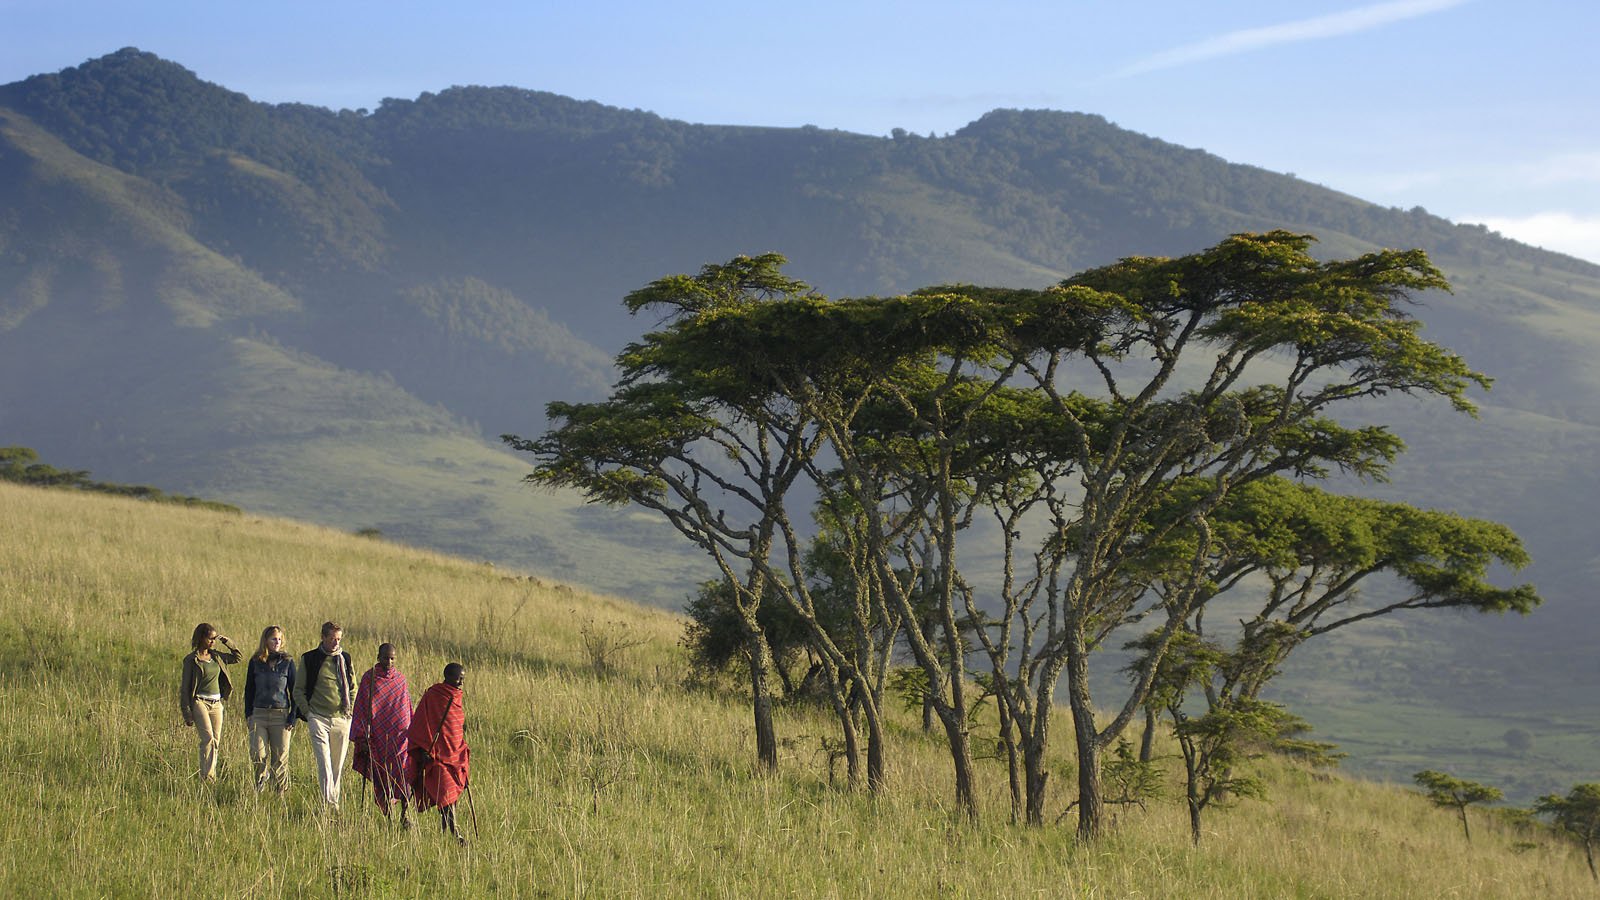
721, 411
929, 407
1455, 793
1577, 814
1015, 468
715, 634
840, 578
1316, 550
700, 438
1313, 336
893, 383
1081, 410
1216, 742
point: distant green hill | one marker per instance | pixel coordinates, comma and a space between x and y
330, 315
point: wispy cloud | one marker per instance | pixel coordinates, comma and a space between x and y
1352, 21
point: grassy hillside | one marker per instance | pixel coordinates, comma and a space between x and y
622, 783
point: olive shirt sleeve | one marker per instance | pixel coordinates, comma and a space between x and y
228, 656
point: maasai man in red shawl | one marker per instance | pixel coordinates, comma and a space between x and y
439, 754
378, 732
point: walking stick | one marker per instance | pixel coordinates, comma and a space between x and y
472, 810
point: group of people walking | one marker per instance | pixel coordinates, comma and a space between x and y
413, 757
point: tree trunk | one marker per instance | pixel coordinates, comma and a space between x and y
1588, 853
761, 700
1035, 778
955, 715
852, 747
875, 774
1008, 738
1191, 783
1464, 826
1194, 818
1147, 742
1091, 801
955, 729
839, 693
867, 694
868, 699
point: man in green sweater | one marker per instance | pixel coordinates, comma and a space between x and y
325, 694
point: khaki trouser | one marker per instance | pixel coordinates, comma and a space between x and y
330, 739
208, 728
269, 746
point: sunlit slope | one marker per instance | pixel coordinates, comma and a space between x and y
275, 430
107, 242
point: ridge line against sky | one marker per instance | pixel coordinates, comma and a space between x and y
1477, 110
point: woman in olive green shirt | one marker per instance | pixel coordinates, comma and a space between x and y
203, 690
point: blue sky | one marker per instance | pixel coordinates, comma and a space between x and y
1479, 110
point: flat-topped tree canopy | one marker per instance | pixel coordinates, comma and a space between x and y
1317, 547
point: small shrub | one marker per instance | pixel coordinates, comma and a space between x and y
604, 645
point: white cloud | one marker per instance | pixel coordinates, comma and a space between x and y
1352, 21
1562, 232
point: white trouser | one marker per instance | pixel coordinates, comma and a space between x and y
330, 739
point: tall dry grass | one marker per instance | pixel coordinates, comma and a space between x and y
586, 784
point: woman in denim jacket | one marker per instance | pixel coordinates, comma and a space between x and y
269, 709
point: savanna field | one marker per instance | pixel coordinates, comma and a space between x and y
613, 780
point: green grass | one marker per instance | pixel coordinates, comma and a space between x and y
585, 784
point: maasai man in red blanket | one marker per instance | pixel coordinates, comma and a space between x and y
439, 754
379, 729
